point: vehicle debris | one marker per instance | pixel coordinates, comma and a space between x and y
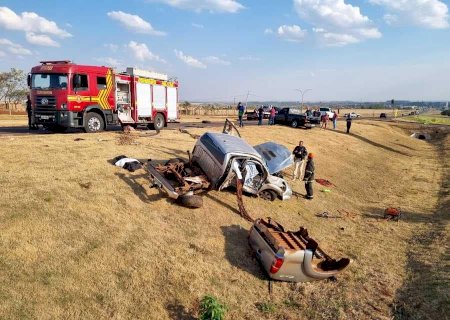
325, 183
292, 256
129, 164
392, 214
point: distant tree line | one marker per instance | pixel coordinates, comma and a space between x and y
13, 88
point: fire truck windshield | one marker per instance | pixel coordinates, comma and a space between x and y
49, 81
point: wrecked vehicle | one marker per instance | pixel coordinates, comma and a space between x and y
225, 158
218, 161
291, 256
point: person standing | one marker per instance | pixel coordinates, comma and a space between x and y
260, 115
300, 153
29, 113
241, 110
349, 123
272, 115
335, 116
309, 176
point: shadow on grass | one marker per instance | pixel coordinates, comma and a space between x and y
177, 311
426, 292
238, 252
373, 143
138, 189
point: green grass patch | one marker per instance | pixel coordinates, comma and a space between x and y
430, 119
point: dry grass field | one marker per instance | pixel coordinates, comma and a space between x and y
83, 239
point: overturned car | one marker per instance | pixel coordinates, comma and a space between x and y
219, 160
291, 255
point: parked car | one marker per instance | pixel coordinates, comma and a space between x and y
353, 115
291, 256
313, 117
290, 116
383, 115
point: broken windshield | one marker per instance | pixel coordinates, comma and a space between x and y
49, 81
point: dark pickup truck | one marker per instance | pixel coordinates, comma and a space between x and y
290, 116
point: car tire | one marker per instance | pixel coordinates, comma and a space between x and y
294, 124
191, 201
267, 195
94, 123
159, 122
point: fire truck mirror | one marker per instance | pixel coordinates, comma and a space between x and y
29, 81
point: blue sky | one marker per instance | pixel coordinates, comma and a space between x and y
371, 50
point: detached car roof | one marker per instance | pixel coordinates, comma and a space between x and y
225, 143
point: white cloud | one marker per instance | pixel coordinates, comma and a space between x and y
109, 61
227, 6
134, 23
216, 60
111, 46
2, 54
189, 60
142, 53
268, 31
336, 39
291, 33
198, 26
13, 48
41, 40
249, 58
346, 21
431, 14
30, 22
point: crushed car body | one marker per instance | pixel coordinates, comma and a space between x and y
291, 256
220, 159
225, 158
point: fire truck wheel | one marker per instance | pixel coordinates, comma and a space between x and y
191, 201
94, 122
159, 122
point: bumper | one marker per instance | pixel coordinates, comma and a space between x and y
287, 194
66, 119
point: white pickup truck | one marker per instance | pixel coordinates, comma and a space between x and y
326, 110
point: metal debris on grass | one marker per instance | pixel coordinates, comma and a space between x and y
392, 214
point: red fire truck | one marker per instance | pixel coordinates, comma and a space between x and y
68, 95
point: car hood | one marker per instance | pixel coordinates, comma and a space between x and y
276, 156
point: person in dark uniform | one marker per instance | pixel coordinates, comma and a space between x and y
309, 176
300, 153
260, 115
349, 123
29, 112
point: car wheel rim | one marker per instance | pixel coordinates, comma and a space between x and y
94, 124
265, 195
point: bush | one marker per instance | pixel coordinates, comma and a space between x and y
445, 113
211, 309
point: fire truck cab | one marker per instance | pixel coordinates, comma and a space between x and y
67, 95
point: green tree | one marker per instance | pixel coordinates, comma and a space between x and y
13, 87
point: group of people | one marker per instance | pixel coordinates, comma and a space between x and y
260, 111
272, 114
325, 118
304, 168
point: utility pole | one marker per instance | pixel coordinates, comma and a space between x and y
302, 93
246, 99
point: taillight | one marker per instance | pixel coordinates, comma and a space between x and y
276, 265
